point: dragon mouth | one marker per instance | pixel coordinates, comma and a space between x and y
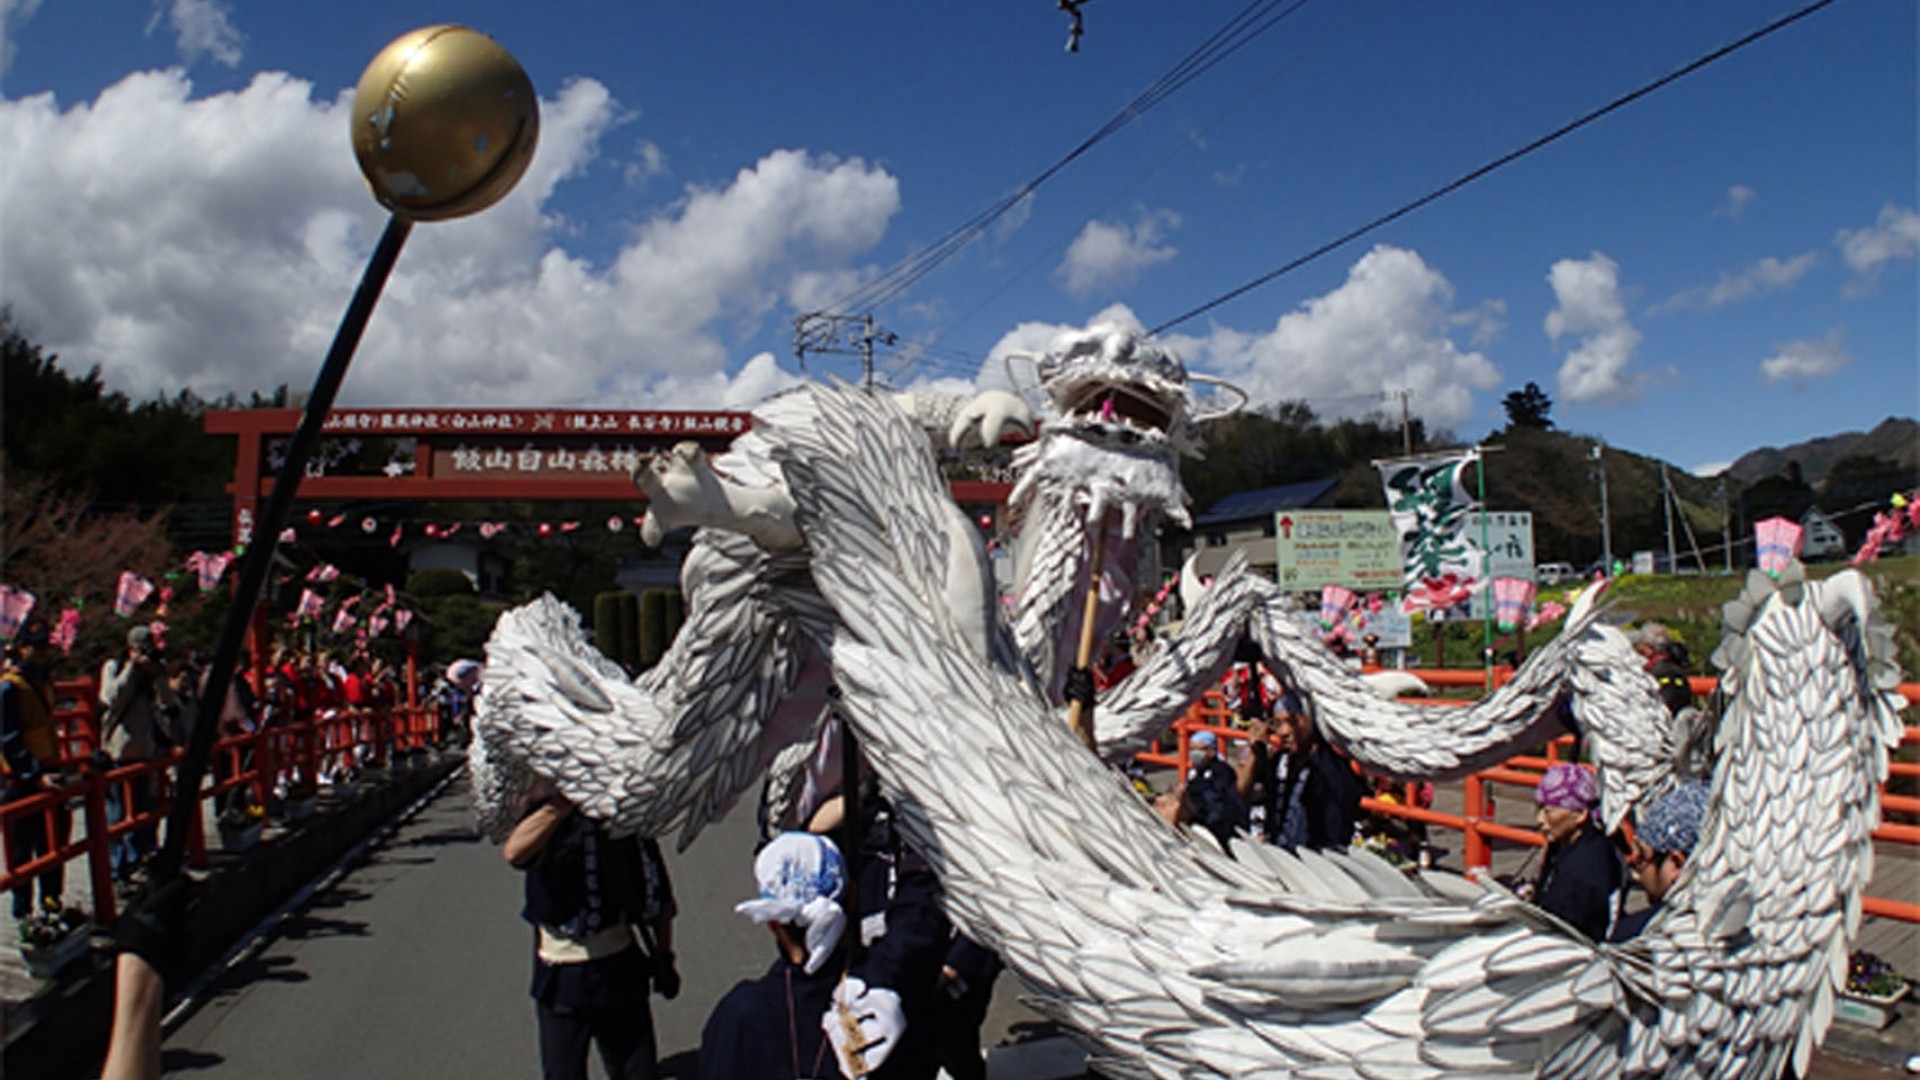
1120, 413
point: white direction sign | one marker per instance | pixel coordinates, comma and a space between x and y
1509, 547
1355, 548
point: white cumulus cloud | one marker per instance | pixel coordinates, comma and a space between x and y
12, 14
1110, 255
1801, 360
1388, 327
1894, 235
201, 28
222, 257
1739, 197
1764, 276
1588, 308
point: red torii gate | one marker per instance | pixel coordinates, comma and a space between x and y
477, 454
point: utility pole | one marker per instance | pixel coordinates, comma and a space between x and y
1727, 525
845, 335
1406, 426
1666, 506
1606, 520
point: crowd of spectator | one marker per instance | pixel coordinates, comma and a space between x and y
143, 703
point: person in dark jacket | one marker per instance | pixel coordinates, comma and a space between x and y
1667, 661
966, 983
588, 895
1310, 794
1214, 788
1661, 847
771, 1028
30, 742
904, 936
1581, 878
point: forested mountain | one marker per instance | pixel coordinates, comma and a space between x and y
1895, 441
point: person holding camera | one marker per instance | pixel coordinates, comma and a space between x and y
136, 701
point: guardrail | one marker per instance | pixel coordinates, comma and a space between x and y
296, 754
1476, 822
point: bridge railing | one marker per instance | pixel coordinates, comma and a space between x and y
1477, 824
255, 766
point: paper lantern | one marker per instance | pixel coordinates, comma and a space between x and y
15, 605
1335, 602
1512, 597
1549, 611
1777, 542
130, 593
315, 517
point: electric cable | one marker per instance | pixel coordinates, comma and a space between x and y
1505, 159
1251, 22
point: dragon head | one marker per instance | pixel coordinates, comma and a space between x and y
1120, 413
1111, 386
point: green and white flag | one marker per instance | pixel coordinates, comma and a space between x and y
1431, 502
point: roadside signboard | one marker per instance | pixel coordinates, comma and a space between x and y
1354, 548
1509, 552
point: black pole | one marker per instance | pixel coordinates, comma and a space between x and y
266, 537
850, 804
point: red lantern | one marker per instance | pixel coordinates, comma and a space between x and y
315, 517
545, 530
986, 521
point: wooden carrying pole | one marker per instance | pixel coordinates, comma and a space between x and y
1078, 717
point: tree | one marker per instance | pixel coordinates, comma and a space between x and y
1528, 408
67, 554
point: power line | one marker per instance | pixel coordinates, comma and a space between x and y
1252, 21
1505, 159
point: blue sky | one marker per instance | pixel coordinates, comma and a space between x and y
1727, 264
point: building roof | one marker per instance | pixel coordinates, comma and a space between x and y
1248, 505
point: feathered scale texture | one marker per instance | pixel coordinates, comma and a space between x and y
1744, 959
1163, 955
673, 750
1167, 957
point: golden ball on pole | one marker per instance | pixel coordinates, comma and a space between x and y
444, 123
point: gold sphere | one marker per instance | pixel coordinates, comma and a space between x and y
444, 123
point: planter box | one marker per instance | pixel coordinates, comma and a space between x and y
45, 961
1867, 1010
242, 839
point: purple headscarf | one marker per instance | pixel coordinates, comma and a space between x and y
1569, 787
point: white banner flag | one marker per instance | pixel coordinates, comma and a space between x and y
1431, 503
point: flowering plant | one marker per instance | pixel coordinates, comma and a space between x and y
1869, 975
50, 926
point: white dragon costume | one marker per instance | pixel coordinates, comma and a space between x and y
832, 556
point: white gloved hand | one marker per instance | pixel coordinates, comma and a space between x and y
864, 1024
989, 415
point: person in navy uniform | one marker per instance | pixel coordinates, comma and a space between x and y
592, 900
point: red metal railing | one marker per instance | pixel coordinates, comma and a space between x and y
254, 763
1476, 822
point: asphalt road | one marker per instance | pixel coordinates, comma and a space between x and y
415, 964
